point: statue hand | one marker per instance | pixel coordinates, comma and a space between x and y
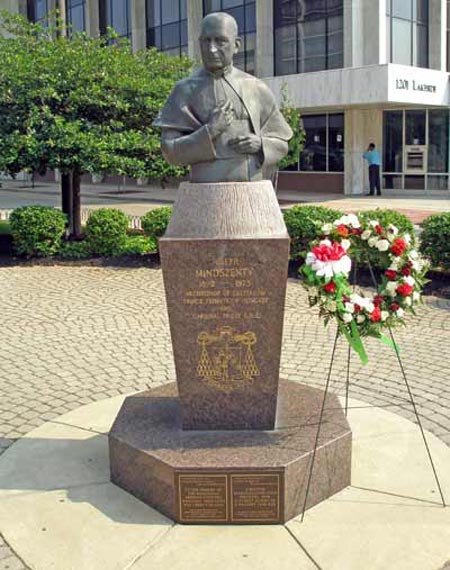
248, 144
220, 119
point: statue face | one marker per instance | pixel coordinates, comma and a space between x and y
218, 44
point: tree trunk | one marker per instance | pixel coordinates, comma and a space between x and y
76, 205
67, 200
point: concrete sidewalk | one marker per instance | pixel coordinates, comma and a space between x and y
76, 334
137, 200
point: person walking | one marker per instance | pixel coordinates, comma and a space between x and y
373, 160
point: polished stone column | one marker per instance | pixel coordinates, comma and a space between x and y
138, 25
264, 53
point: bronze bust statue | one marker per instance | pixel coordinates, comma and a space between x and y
221, 121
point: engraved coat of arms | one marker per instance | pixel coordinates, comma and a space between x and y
227, 361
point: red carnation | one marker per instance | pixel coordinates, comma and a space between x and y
394, 307
375, 315
406, 271
405, 289
342, 230
332, 252
391, 274
356, 231
330, 287
379, 229
377, 300
398, 246
357, 308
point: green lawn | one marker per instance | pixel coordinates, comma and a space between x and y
5, 227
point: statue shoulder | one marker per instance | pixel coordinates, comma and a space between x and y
255, 85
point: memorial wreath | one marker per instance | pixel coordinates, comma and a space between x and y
358, 313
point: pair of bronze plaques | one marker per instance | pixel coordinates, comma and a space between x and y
234, 497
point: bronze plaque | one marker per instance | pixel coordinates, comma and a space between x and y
202, 497
255, 497
247, 497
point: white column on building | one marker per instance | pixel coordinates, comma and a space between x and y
92, 18
138, 25
194, 19
364, 33
437, 38
362, 126
264, 53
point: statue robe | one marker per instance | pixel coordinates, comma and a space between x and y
186, 139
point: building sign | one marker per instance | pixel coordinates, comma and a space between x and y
413, 85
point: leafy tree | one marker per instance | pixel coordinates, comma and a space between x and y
296, 143
81, 105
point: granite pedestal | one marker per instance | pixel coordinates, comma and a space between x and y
239, 476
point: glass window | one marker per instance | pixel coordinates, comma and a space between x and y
76, 15
336, 143
167, 26
438, 144
318, 41
118, 16
407, 32
393, 141
402, 9
244, 11
415, 127
40, 10
314, 154
437, 182
401, 41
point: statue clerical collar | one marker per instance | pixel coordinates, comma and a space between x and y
220, 72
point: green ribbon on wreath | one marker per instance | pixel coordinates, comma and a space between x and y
351, 335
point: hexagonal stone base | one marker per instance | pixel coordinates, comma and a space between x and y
230, 476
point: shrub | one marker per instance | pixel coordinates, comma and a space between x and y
75, 250
435, 239
155, 222
37, 230
386, 217
106, 231
139, 245
302, 223
5, 227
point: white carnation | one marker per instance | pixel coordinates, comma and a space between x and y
348, 220
413, 254
360, 318
374, 223
347, 317
346, 243
366, 234
408, 301
410, 280
400, 312
384, 315
392, 229
416, 296
373, 241
327, 228
407, 238
349, 307
391, 288
383, 245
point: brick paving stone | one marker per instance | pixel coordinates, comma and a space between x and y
75, 335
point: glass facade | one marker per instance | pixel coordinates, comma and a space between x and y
244, 11
324, 144
115, 14
407, 32
76, 16
308, 35
37, 10
426, 128
167, 26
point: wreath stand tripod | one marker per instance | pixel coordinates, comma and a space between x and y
347, 389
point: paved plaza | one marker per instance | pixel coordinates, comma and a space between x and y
77, 334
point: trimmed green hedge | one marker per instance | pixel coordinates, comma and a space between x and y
37, 230
154, 223
106, 231
435, 239
302, 223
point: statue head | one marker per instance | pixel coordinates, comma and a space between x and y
219, 41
